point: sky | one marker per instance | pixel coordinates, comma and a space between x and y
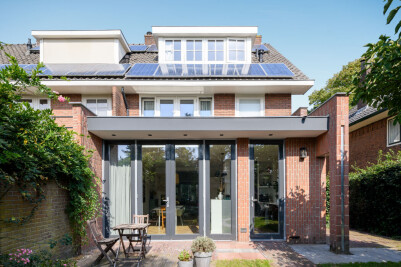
318, 36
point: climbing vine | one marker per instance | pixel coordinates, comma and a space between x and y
35, 150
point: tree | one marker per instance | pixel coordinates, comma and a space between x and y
34, 150
391, 15
340, 82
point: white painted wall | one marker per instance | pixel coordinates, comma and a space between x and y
81, 51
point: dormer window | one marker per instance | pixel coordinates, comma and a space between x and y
236, 50
173, 50
194, 50
215, 50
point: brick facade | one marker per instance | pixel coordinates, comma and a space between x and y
243, 188
63, 110
338, 111
366, 142
277, 105
117, 102
49, 223
224, 105
133, 104
302, 112
305, 187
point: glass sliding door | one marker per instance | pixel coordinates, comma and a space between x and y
119, 200
186, 189
220, 190
154, 197
266, 190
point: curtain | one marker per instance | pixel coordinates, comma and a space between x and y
393, 132
120, 195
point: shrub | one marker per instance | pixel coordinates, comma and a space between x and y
203, 244
26, 257
184, 256
375, 204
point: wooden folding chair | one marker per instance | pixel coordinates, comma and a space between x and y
137, 237
100, 240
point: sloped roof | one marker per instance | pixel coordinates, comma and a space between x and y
19, 51
356, 115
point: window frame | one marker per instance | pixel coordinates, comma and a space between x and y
85, 98
388, 133
185, 52
35, 101
142, 106
182, 51
225, 58
236, 50
253, 97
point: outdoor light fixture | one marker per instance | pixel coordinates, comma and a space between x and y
303, 153
185, 135
221, 134
113, 135
149, 135
270, 134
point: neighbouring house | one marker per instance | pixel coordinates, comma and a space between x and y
194, 127
371, 130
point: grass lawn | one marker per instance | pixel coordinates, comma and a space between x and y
261, 226
240, 263
363, 264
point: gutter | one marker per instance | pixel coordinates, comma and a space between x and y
125, 100
368, 116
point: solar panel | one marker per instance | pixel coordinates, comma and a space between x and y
152, 48
27, 67
259, 47
85, 69
207, 70
36, 48
277, 70
138, 48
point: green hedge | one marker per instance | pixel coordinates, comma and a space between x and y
375, 196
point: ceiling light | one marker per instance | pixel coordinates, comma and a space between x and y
185, 135
149, 135
113, 135
221, 134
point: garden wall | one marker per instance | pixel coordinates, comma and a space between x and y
49, 223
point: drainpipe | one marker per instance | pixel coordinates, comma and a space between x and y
125, 100
342, 191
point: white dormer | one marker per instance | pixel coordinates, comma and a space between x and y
107, 46
205, 45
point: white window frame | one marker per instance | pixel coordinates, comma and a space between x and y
225, 58
211, 105
141, 106
228, 50
185, 51
388, 132
182, 51
254, 97
36, 101
107, 97
176, 101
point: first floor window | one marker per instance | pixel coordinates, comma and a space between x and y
37, 103
44, 104
98, 106
166, 108
186, 108
205, 107
249, 107
27, 100
148, 107
394, 131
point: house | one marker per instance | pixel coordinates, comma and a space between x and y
194, 127
371, 130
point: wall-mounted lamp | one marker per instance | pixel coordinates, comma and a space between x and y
303, 153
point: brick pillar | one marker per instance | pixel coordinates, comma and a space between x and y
118, 105
277, 104
224, 105
329, 144
133, 104
243, 188
301, 111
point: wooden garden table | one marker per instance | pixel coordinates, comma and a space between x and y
141, 228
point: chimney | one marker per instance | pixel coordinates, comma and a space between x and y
258, 40
29, 44
360, 103
149, 40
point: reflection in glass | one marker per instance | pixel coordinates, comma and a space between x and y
220, 189
119, 198
187, 189
154, 187
186, 108
205, 107
166, 108
266, 189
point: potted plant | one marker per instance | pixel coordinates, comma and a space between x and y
203, 247
185, 259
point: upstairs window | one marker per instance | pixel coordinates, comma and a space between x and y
37, 103
249, 107
205, 109
394, 133
215, 50
166, 108
98, 106
187, 108
194, 50
236, 50
148, 107
173, 50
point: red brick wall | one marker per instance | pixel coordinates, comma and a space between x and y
63, 110
338, 111
224, 105
305, 192
302, 111
117, 102
50, 222
366, 142
277, 105
243, 188
133, 104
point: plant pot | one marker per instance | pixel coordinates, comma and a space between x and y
186, 263
202, 259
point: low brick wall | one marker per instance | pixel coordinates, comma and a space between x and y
49, 223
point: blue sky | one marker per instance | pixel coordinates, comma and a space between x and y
319, 37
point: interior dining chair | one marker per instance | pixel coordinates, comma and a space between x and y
163, 213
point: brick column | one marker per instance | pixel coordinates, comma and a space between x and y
301, 111
118, 106
243, 188
133, 104
224, 105
329, 144
277, 105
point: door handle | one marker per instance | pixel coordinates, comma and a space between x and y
166, 200
253, 200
